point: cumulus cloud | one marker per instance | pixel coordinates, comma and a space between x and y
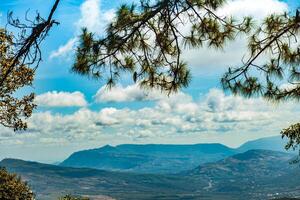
129, 93
179, 118
217, 101
171, 118
132, 93
64, 50
93, 18
90, 15
255, 8
61, 99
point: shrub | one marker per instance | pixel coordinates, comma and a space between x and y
12, 187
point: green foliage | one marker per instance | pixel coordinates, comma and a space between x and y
12, 187
20, 55
254, 175
272, 69
293, 134
148, 40
13, 110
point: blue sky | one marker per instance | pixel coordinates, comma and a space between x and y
76, 113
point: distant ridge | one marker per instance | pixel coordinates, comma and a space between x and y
252, 175
275, 143
163, 158
151, 158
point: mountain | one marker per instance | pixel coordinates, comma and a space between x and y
270, 143
148, 158
50, 182
253, 175
260, 163
162, 158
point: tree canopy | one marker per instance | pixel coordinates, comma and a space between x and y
12, 187
13, 109
20, 55
148, 41
272, 67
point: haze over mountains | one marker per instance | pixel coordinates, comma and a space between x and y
201, 171
148, 158
162, 158
255, 174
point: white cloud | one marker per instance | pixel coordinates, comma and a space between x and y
106, 117
254, 8
61, 99
90, 15
127, 94
217, 101
64, 50
132, 93
214, 118
92, 18
216, 61
178, 119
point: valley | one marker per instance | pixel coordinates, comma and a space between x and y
254, 174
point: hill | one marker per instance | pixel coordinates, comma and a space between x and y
50, 182
270, 143
163, 159
148, 158
255, 174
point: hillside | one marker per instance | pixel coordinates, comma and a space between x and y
50, 182
164, 159
275, 143
148, 158
255, 174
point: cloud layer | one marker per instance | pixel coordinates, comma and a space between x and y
61, 99
127, 94
213, 117
179, 116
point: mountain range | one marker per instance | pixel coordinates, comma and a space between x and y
258, 169
157, 158
254, 174
148, 158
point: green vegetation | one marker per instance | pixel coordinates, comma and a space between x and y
13, 109
148, 40
12, 187
255, 174
20, 55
